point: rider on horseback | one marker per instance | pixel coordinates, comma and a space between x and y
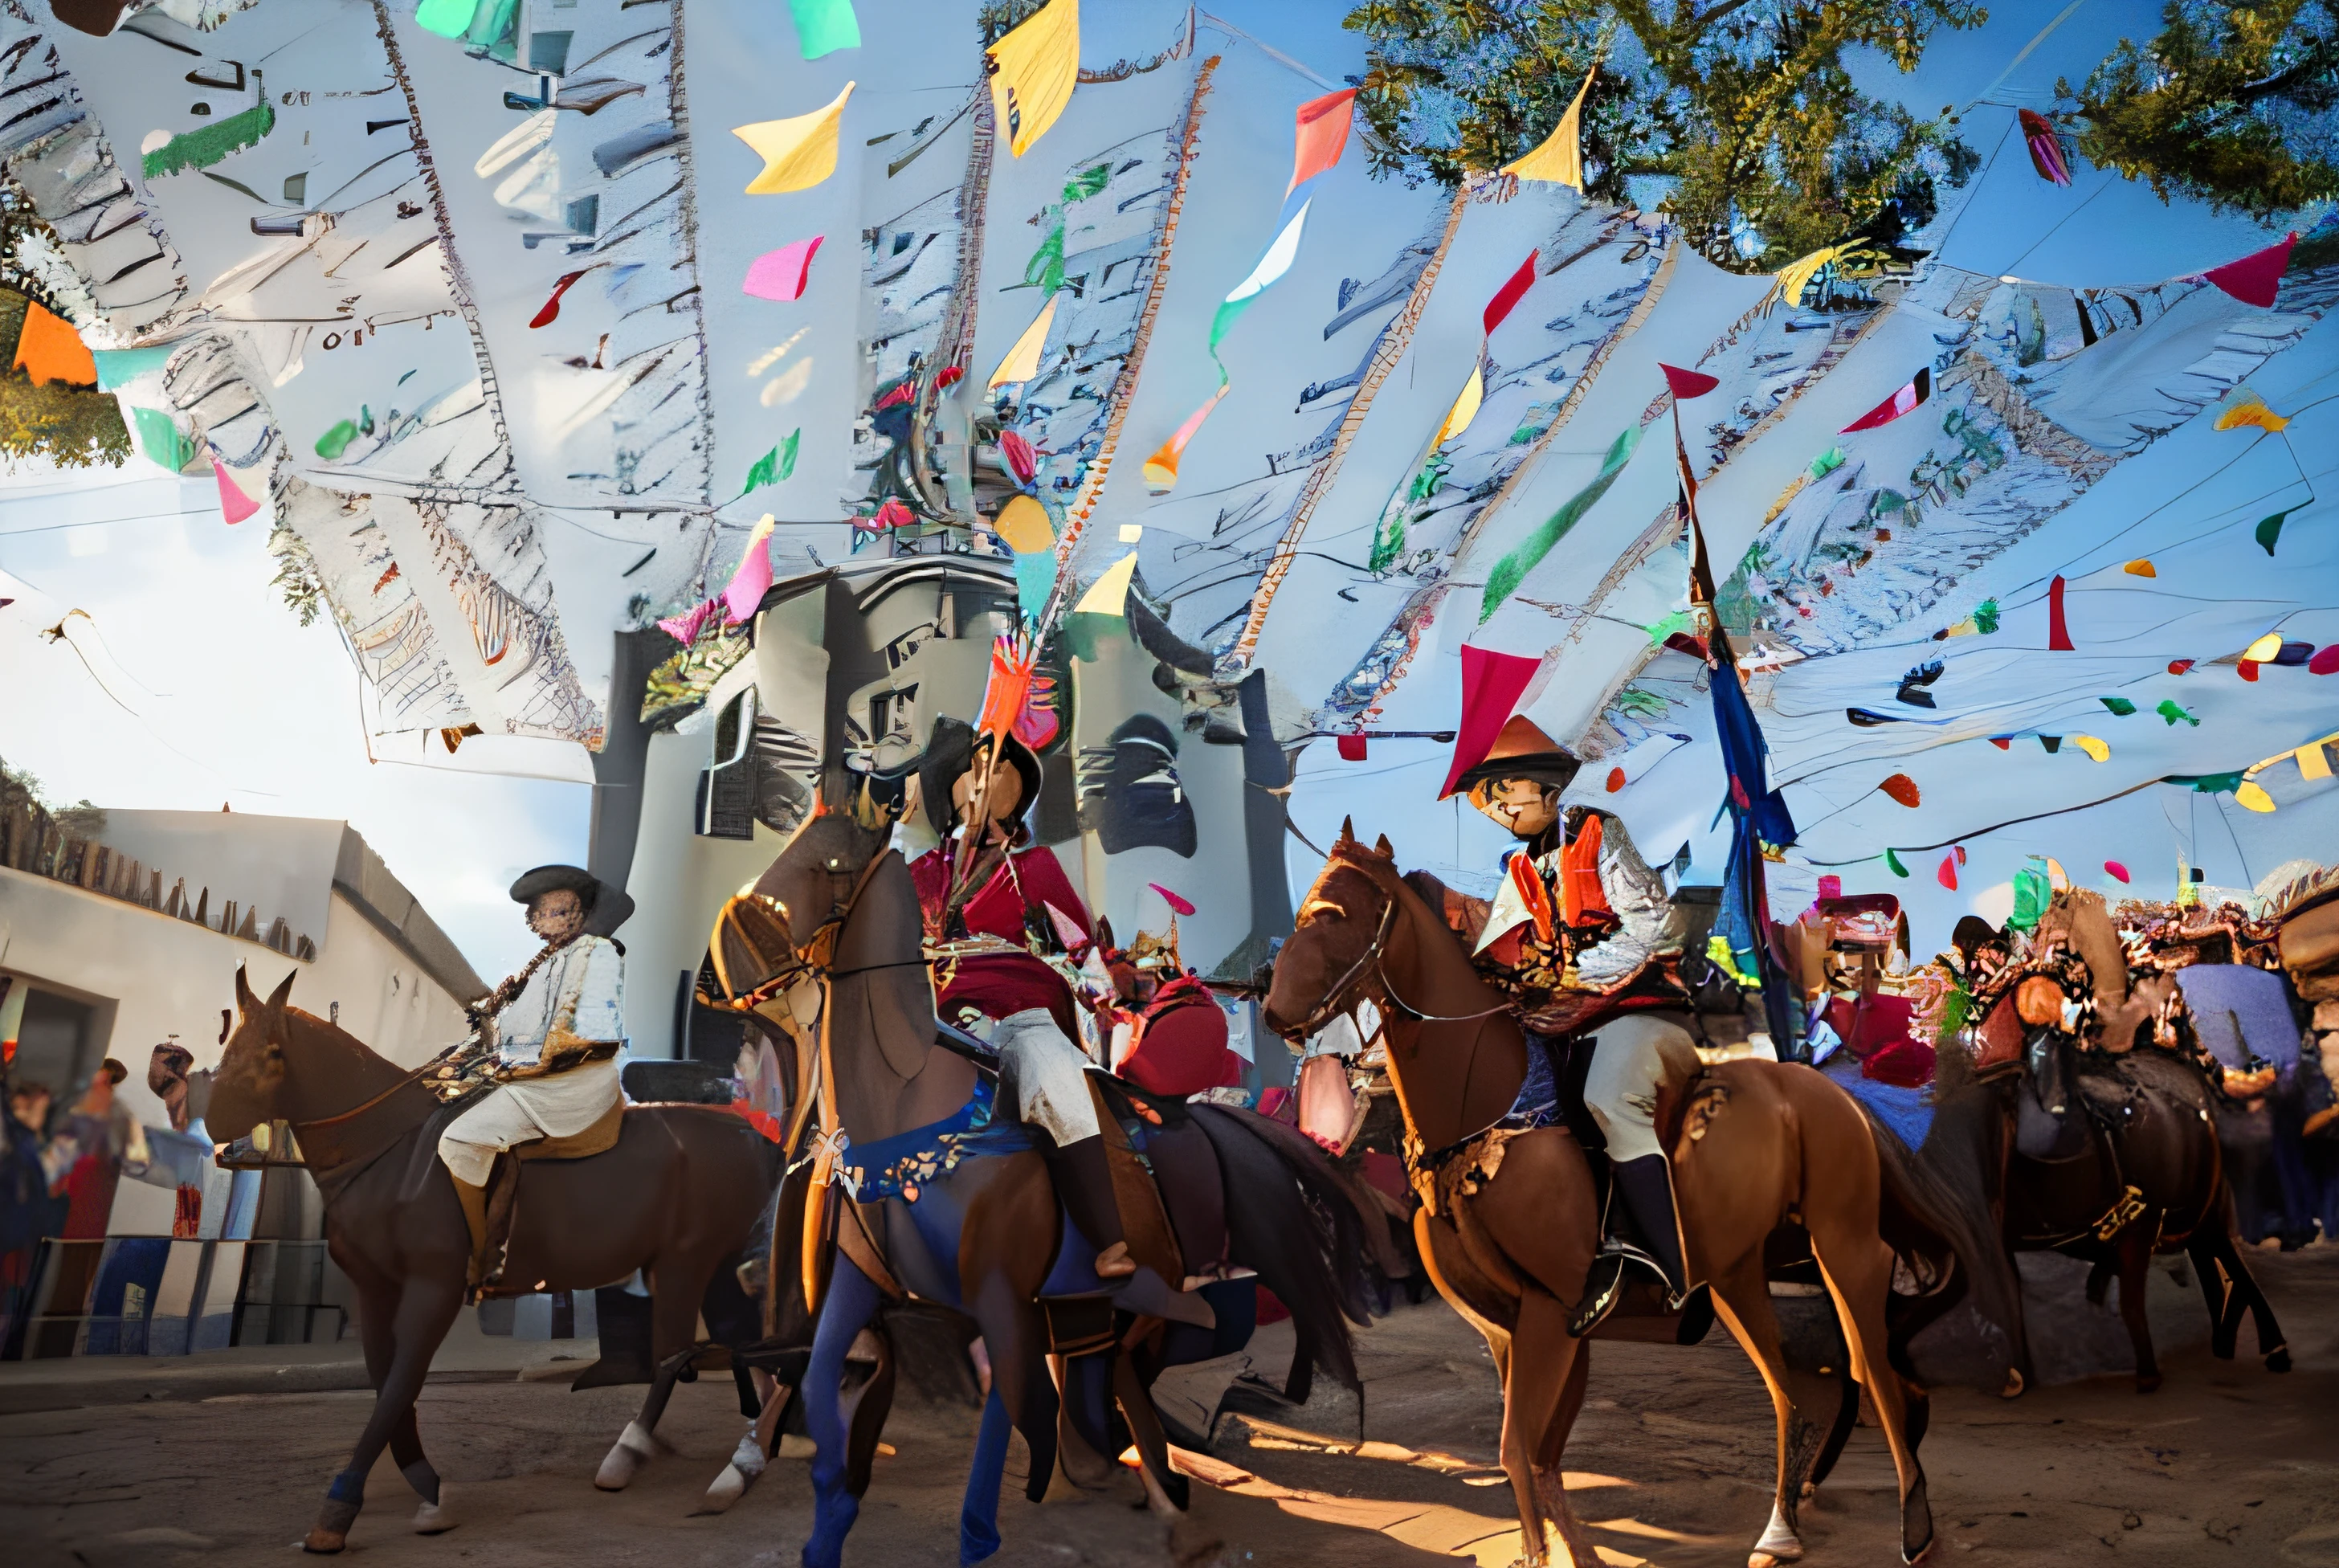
1574, 935
549, 1037
1017, 895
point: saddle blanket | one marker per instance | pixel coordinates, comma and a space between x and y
1908, 1112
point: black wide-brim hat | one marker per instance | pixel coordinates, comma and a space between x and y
605, 908
950, 753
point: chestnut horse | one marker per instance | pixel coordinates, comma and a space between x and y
1756, 1147
676, 1198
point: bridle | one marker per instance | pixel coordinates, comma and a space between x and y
1369, 965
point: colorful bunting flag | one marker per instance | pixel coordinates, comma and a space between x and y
1171, 899
2141, 567
118, 368
798, 152
1351, 747
2119, 706
1512, 569
2095, 748
2058, 630
1892, 863
234, 505
1022, 360
1023, 526
550, 311
782, 275
2116, 871
200, 149
2046, 148
1948, 875
48, 349
752, 576
2245, 410
824, 26
1688, 384
2255, 279
1918, 387
2170, 712
1033, 72
2269, 529
1559, 159
1902, 788
775, 465
2325, 663
1492, 684
1318, 137
1109, 594
448, 18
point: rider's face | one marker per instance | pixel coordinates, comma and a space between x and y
557, 915
1006, 800
1522, 806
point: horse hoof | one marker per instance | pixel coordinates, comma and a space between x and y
2278, 1358
633, 1448
728, 1488
2014, 1384
2148, 1385
435, 1518
324, 1541
1779, 1544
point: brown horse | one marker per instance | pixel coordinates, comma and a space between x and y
675, 1197
1509, 1228
2108, 1155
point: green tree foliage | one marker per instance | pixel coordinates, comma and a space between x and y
2232, 102
72, 427
1746, 107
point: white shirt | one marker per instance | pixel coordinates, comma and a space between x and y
580, 989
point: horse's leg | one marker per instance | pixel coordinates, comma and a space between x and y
1741, 1296
2135, 1262
748, 1459
2272, 1347
865, 1409
852, 1301
2217, 1291
1165, 1489
1015, 1333
675, 1294
1542, 1364
978, 1514
377, 1305
1858, 1269
426, 1308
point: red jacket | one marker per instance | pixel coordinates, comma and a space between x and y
994, 985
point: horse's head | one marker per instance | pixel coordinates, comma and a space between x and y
813, 878
246, 1088
1336, 927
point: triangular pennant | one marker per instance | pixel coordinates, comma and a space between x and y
1918, 387
824, 26
1465, 408
234, 505
1033, 72
798, 152
1515, 289
752, 576
2046, 147
1492, 684
1322, 135
1687, 384
1559, 161
782, 275
1109, 594
2255, 279
1022, 360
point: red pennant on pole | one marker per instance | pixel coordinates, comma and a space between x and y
1510, 294
2257, 278
2058, 630
1688, 383
1491, 685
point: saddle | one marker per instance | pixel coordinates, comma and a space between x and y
493, 1247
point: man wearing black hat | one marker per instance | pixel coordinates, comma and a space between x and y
556, 1027
1573, 933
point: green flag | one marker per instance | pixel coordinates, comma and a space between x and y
775, 465
1512, 569
2270, 529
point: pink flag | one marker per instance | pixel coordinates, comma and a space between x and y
1171, 899
753, 578
1687, 384
684, 627
1491, 685
1320, 137
1899, 403
2046, 148
1511, 293
234, 505
780, 274
2255, 279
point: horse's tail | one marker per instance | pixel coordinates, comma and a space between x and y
1947, 1237
1296, 1222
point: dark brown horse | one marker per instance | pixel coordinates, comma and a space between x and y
675, 1197
2108, 1155
977, 1227
1760, 1151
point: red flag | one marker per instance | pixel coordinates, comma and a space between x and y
1171, 899
1903, 401
551, 308
1320, 137
2255, 279
2046, 148
1688, 383
1491, 685
2058, 631
1511, 293
1948, 875
1352, 748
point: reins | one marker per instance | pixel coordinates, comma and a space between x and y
1369, 963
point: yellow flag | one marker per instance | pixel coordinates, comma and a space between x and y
799, 152
1022, 360
2093, 746
2252, 795
1110, 595
1032, 70
1560, 160
1465, 408
1023, 523
2312, 763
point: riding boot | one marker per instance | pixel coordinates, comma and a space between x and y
1643, 1190
474, 1199
1084, 1183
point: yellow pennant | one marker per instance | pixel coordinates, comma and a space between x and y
1032, 71
1022, 360
1560, 160
1109, 596
798, 152
1465, 408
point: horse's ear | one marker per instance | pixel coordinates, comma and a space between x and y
245, 1001
283, 992
1347, 830
1381, 847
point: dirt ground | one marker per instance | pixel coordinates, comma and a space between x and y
1671, 1463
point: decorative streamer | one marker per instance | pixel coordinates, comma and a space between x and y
2046, 148
1512, 569
824, 26
1032, 71
2058, 630
798, 152
1905, 400
1319, 135
782, 275
1559, 161
234, 505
